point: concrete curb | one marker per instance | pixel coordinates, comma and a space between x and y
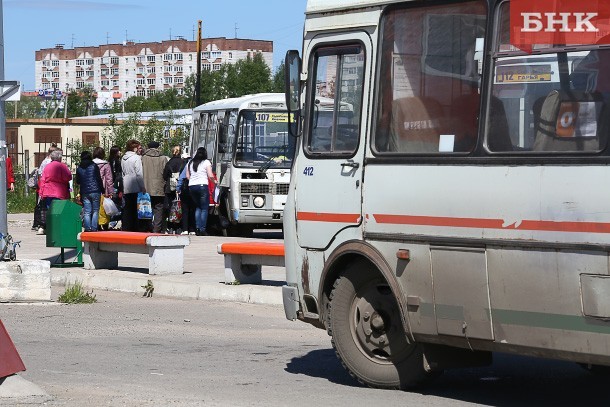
15, 389
111, 280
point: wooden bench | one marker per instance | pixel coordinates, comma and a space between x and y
243, 261
165, 252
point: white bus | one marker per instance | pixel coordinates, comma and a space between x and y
251, 153
464, 207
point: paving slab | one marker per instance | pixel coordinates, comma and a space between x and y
203, 277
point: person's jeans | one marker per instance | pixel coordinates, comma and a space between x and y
91, 210
201, 198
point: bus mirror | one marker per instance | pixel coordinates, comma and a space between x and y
292, 66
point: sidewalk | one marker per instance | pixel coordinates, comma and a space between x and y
203, 277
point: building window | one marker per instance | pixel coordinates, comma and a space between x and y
216, 54
91, 138
80, 74
114, 60
178, 79
230, 55
80, 85
150, 81
105, 82
105, 72
150, 92
150, 69
205, 55
46, 85
168, 68
114, 71
46, 75
216, 67
55, 85
206, 67
89, 61
89, 74
55, 62
115, 83
46, 63
151, 58
140, 92
140, 59
47, 136
178, 57
190, 57
168, 80
178, 68
141, 81
167, 57
55, 74
141, 70
80, 62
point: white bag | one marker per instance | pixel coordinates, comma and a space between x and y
110, 207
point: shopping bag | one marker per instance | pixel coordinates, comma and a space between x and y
175, 210
110, 207
102, 217
144, 206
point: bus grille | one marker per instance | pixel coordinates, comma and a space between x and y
281, 189
252, 188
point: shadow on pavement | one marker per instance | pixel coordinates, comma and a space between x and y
321, 363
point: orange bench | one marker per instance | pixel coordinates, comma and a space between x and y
165, 252
244, 261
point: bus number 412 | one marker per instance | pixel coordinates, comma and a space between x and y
308, 171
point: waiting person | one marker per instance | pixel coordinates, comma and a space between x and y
188, 206
153, 164
171, 173
10, 176
54, 182
99, 156
89, 178
133, 183
40, 209
199, 173
114, 159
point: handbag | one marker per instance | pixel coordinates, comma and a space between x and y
33, 179
144, 206
175, 210
103, 218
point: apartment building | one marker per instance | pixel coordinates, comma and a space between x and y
118, 71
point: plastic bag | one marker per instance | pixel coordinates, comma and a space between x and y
144, 206
173, 181
110, 207
102, 217
33, 179
175, 210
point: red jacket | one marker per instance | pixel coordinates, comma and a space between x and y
54, 182
10, 177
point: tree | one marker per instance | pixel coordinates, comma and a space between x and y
29, 107
81, 102
278, 83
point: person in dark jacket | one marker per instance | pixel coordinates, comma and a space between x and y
171, 173
91, 188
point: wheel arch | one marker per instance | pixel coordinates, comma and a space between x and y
358, 251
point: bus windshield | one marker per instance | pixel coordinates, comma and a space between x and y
263, 140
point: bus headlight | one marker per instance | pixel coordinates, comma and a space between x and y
259, 201
245, 200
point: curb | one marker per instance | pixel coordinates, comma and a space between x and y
15, 389
110, 280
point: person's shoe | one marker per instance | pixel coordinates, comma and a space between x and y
201, 233
184, 233
192, 233
40, 231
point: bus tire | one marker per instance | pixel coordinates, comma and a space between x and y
368, 335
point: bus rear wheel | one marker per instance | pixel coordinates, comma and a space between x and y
368, 335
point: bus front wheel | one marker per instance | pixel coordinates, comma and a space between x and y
368, 335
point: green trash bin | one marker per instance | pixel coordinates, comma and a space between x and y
63, 226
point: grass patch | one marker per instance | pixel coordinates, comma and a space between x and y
75, 294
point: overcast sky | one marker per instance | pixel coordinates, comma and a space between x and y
30, 25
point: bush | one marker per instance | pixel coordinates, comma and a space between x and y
17, 201
75, 294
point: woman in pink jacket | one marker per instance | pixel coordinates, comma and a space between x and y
55, 180
99, 156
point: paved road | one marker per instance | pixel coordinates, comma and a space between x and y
132, 351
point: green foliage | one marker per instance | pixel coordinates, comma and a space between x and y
168, 99
118, 133
29, 107
75, 294
81, 102
17, 201
278, 84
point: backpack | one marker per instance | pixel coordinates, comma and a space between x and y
173, 181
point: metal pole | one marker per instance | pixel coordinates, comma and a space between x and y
3, 216
198, 77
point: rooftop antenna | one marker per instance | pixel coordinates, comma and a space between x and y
72, 41
236, 28
170, 33
126, 38
107, 37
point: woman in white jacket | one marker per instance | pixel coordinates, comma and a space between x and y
133, 183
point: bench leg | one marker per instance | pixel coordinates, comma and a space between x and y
166, 260
93, 258
244, 273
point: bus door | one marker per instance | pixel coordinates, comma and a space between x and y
328, 172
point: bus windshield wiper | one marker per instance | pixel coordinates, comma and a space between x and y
267, 164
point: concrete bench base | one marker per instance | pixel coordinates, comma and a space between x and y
25, 280
244, 261
165, 254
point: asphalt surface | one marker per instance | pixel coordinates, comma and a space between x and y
203, 277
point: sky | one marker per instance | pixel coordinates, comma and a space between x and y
30, 25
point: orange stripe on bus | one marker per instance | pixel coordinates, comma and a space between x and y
329, 217
478, 223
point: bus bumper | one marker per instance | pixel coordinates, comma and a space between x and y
290, 297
